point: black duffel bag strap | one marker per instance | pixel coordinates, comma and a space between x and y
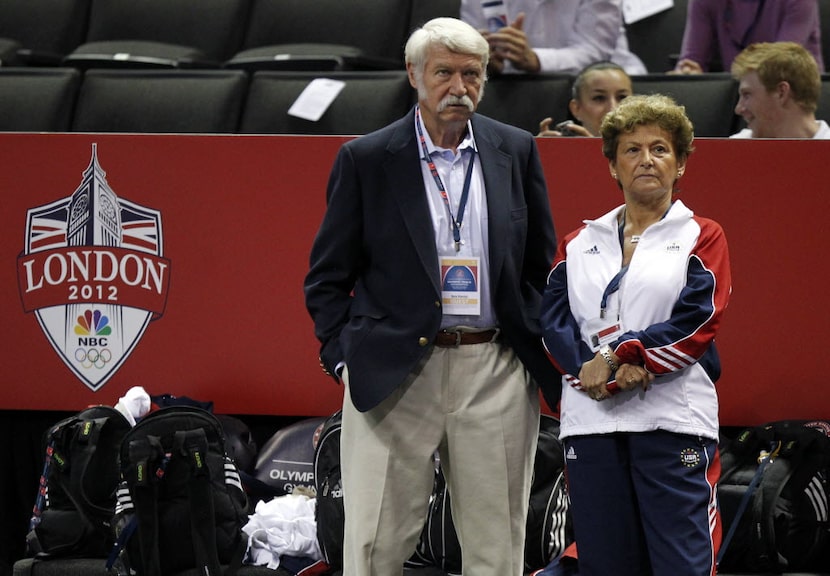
193, 445
150, 465
747, 496
87, 438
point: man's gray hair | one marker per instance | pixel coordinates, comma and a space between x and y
451, 33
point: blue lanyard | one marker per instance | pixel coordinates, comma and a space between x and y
614, 284
612, 287
457, 221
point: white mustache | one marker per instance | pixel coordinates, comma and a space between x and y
453, 100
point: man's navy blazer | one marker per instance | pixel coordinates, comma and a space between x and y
373, 289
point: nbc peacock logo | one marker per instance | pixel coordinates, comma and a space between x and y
93, 273
93, 323
92, 329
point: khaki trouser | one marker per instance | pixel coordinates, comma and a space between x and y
478, 407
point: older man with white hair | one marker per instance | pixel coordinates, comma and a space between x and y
425, 287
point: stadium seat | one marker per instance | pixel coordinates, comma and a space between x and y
9, 52
161, 33
657, 39
192, 101
824, 23
35, 99
44, 30
424, 10
823, 111
524, 100
369, 100
709, 99
324, 35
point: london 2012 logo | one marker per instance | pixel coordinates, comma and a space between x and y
94, 274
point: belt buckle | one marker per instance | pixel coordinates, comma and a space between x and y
456, 333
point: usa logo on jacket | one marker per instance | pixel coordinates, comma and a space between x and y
93, 272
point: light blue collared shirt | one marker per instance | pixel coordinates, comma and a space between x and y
452, 168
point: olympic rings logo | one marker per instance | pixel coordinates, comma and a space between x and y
93, 357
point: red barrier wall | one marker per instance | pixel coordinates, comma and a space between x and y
223, 262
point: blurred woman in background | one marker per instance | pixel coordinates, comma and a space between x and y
597, 89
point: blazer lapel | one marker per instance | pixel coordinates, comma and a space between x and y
406, 181
496, 167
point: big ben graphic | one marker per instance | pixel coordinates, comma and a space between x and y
94, 274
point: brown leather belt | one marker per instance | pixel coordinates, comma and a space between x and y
452, 338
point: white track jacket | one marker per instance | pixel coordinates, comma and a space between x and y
669, 304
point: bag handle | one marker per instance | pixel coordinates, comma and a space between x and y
763, 462
193, 445
145, 497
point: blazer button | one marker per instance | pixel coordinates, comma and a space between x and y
423, 341
437, 303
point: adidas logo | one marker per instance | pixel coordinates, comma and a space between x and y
571, 454
592, 250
